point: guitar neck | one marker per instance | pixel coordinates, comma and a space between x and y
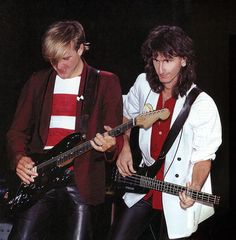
122, 128
84, 147
144, 120
174, 189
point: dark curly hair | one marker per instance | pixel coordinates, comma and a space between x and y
171, 41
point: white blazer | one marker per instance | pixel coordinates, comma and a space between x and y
200, 139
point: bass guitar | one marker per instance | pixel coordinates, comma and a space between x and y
141, 184
53, 166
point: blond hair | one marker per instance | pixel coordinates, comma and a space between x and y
60, 36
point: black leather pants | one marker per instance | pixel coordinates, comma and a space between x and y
60, 214
132, 222
135, 220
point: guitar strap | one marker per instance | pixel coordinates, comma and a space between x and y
175, 129
90, 95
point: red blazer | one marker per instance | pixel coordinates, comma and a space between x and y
29, 129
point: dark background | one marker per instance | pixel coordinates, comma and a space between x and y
116, 29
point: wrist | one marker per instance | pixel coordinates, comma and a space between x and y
195, 186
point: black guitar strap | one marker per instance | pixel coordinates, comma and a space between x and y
176, 127
90, 95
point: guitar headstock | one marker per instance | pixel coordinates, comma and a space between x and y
146, 120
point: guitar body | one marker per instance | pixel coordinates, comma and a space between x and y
137, 157
122, 186
22, 196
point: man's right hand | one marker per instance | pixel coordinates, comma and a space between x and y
26, 170
124, 161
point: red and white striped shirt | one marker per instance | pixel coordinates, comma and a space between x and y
63, 115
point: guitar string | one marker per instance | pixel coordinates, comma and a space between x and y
59, 159
168, 187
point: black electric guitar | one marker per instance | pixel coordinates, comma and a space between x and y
53, 166
141, 184
143, 180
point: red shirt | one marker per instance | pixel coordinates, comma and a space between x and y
63, 105
160, 130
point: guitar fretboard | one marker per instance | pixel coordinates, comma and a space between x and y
174, 189
83, 147
76, 151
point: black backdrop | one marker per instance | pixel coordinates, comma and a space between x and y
116, 30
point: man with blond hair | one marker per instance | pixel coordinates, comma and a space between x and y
69, 97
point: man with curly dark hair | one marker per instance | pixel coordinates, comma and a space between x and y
169, 76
